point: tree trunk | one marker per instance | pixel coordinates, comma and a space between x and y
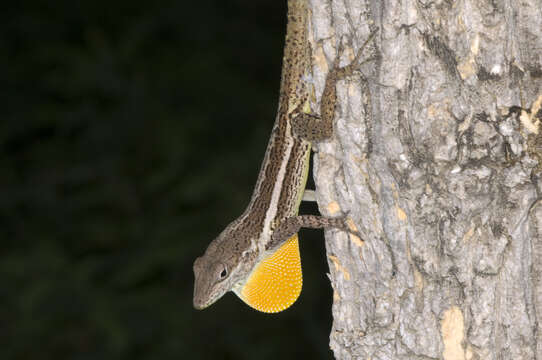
436, 157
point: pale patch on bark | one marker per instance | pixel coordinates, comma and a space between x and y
528, 120
333, 207
468, 67
401, 214
452, 328
339, 267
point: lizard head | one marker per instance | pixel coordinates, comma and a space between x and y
269, 284
211, 281
217, 271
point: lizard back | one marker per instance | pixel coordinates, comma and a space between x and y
242, 251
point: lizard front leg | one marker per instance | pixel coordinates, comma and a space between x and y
317, 128
290, 226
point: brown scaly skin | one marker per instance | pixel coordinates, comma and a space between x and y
271, 216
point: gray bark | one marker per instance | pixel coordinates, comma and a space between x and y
436, 155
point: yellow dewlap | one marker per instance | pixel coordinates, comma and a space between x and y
276, 282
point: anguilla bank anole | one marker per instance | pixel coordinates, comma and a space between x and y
257, 255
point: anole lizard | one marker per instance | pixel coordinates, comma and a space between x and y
257, 255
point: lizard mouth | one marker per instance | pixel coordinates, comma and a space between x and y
198, 301
199, 306
202, 300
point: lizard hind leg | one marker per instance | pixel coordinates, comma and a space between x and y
320, 127
311, 127
337, 72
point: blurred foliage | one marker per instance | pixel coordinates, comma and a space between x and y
131, 133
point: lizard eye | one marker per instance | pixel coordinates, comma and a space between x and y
223, 273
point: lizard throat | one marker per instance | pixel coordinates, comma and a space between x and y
276, 282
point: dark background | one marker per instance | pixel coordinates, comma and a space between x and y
131, 133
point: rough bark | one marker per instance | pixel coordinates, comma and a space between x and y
436, 156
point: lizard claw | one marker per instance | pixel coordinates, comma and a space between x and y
349, 226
